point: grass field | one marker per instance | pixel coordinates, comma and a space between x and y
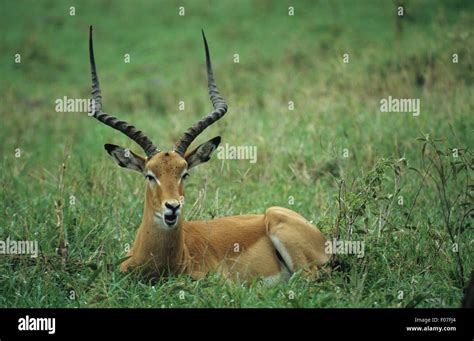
400, 183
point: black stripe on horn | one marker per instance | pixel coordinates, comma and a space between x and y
219, 104
122, 126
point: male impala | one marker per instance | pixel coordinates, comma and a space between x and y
271, 246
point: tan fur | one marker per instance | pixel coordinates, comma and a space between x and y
239, 247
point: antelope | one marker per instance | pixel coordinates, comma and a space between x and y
270, 246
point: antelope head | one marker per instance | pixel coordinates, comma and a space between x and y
165, 171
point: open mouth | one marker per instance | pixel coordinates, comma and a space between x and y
170, 219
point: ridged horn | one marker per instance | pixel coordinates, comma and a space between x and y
133, 133
220, 108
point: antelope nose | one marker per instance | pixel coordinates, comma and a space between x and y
172, 205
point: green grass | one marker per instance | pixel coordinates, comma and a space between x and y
300, 152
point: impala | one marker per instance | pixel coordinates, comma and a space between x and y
271, 246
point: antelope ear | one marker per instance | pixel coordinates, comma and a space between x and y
202, 153
126, 158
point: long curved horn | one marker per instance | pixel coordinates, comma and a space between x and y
122, 126
220, 108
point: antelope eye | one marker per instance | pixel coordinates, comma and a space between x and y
149, 177
185, 176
